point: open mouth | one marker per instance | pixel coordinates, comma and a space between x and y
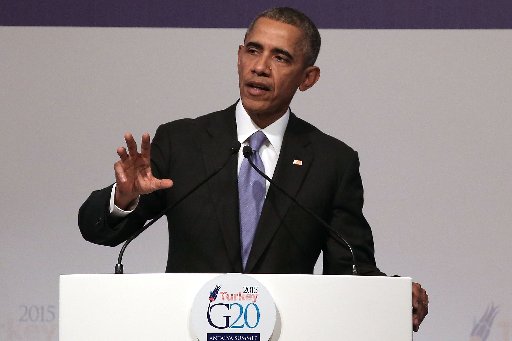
258, 86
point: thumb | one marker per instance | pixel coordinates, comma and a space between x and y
163, 183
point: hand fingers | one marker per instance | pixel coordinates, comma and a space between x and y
422, 300
415, 295
419, 295
131, 144
142, 179
164, 183
123, 155
145, 146
119, 172
420, 305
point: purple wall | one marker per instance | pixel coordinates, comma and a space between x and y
454, 14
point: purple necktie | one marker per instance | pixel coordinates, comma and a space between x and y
251, 194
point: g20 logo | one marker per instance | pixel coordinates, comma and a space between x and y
242, 310
233, 315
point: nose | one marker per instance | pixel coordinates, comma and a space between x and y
262, 66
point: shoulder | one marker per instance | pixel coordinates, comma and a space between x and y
320, 141
186, 126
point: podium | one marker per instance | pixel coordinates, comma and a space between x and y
309, 307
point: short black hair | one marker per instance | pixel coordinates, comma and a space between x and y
298, 19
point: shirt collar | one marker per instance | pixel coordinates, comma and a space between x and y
246, 127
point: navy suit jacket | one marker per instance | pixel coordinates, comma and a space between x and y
204, 232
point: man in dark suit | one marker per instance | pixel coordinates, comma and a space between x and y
277, 58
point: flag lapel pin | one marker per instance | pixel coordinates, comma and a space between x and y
297, 162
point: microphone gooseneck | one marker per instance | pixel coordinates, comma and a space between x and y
247, 151
119, 266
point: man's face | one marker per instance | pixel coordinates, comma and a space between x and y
270, 69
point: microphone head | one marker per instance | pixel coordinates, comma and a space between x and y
247, 151
236, 147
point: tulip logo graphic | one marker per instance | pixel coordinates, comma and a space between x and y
482, 328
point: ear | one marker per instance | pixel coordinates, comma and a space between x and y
240, 48
311, 76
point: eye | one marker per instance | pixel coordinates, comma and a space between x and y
251, 50
281, 59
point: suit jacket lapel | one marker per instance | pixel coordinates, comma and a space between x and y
216, 147
294, 162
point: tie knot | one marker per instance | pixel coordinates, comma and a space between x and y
257, 139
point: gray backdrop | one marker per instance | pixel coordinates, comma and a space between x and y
428, 111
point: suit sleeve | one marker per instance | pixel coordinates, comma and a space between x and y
349, 221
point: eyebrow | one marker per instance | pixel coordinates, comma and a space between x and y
275, 50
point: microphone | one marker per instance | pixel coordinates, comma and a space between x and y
247, 151
119, 266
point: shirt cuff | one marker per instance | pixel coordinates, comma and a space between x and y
116, 211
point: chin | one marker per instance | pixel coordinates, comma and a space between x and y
254, 106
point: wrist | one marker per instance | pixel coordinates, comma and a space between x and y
124, 202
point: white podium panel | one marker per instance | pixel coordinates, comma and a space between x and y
309, 307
